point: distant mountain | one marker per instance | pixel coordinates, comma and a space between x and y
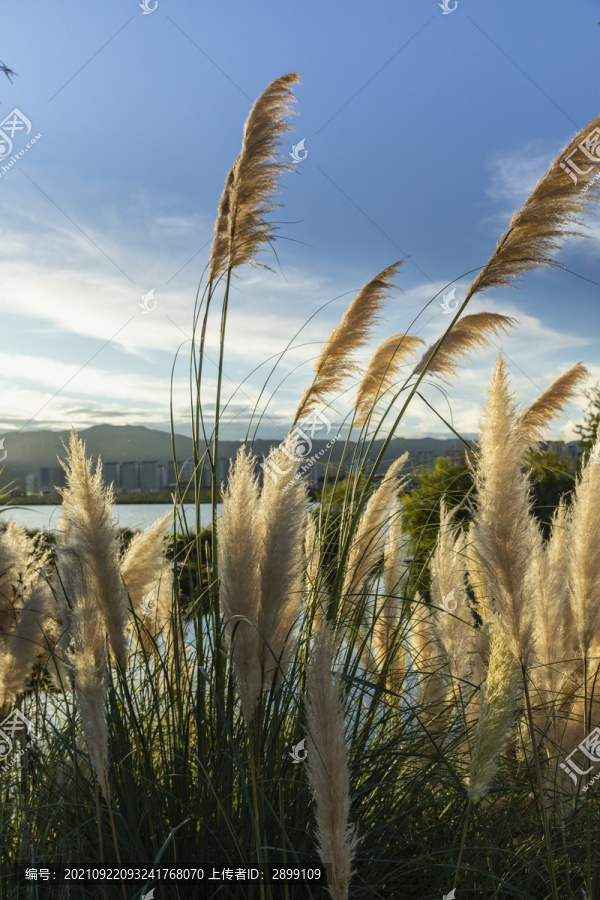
28, 451
113, 443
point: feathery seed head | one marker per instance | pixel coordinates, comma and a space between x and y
466, 335
383, 372
335, 363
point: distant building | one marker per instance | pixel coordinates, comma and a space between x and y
149, 476
570, 448
129, 477
50, 477
32, 483
426, 458
186, 473
110, 472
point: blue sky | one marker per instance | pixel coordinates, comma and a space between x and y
424, 133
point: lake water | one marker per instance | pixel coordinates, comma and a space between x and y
125, 515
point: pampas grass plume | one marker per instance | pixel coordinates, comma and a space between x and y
335, 362
465, 336
382, 373
496, 717
327, 763
239, 534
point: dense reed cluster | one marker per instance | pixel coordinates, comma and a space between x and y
437, 733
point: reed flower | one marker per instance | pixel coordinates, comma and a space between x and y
281, 515
382, 373
388, 608
239, 533
30, 621
551, 623
550, 403
87, 657
367, 543
583, 557
497, 714
448, 593
335, 362
465, 336
503, 537
480, 642
427, 657
327, 762
149, 577
86, 528
242, 230
477, 580
537, 230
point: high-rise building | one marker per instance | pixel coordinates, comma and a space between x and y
32, 483
171, 472
129, 476
149, 476
110, 471
186, 471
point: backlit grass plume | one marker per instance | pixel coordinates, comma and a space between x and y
448, 593
242, 230
466, 335
367, 541
555, 205
281, 517
382, 373
148, 578
29, 621
583, 558
327, 762
552, 615
335, 362
87, 657
497, 714
549, 405
86, 528
239, 532
389, 604
427, 657
502, 532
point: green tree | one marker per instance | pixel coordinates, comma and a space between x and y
552, 475
591, 420
421, 513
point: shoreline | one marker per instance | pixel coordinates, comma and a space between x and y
160, 497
